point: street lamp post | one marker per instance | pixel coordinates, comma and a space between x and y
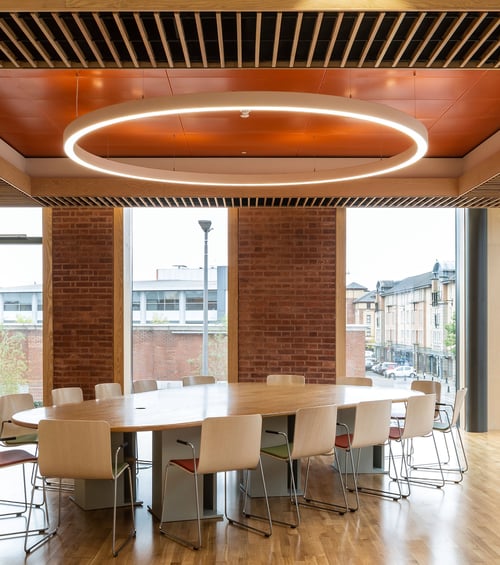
206, 227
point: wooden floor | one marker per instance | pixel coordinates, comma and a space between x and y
459, 524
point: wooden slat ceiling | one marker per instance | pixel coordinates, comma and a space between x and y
443, 67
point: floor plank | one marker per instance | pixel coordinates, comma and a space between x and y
456, 525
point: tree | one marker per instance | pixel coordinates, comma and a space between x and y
13, 362
450, 339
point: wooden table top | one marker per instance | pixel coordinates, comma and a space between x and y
189, 406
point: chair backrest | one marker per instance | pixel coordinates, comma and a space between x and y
107, 390
66, 395
197, 380
9, 405
314, 431
372, 423
75, 449
145, 385
230, 443
419, 418
282, 379
354, 381
459, 403
428, 387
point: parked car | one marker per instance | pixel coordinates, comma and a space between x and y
369, 363
386, 365
401, 371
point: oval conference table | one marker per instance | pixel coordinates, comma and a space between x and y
177, 413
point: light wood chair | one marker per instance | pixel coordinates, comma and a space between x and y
354, 381
229, 443
11, 434
372, 422
314, 433
418, 422
447, 424
198, 380
79, 449
283, 379
145, 385
107, 390
67, 395
14, 509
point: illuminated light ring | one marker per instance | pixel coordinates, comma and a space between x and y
202, 103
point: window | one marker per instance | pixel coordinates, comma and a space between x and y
168, 263
21, 302
403, 262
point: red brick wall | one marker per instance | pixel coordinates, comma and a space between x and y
162, 355
82, 280
287, 293
355, 352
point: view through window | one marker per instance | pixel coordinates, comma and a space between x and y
168, 311
21, 305
401, 296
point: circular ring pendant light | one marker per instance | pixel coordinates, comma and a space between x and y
246, 103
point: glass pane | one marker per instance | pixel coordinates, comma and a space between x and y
400, 296
168, 293
21, 306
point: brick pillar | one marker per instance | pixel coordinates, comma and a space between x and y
287, 293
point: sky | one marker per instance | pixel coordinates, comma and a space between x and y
381, 243
392, 244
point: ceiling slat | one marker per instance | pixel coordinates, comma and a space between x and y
220, 39
276, 45
163, 39
444, 41
18, 45
70, 39
145, 39
427, 38
107, 38
352, 38
371, 38
392, 34
126, 40
409, 38
333, 39
314, 39
91, 44
201, 40
182, 39
50, 38
480, 42
32, 39
472, 28
296, 35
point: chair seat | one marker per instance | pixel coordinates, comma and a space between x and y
188, 465
16, 457
279, 451
395, 433
343, 441
22, 440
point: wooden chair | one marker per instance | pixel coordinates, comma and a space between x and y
107, 390
447, 424
198, 380
417, 422
145, 385
314, 433
79, 449
67, 395
283, 379
372, 423
354, 381
11, 434
229, 443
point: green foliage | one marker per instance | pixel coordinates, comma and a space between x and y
13, 362
450, 339
217, 355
